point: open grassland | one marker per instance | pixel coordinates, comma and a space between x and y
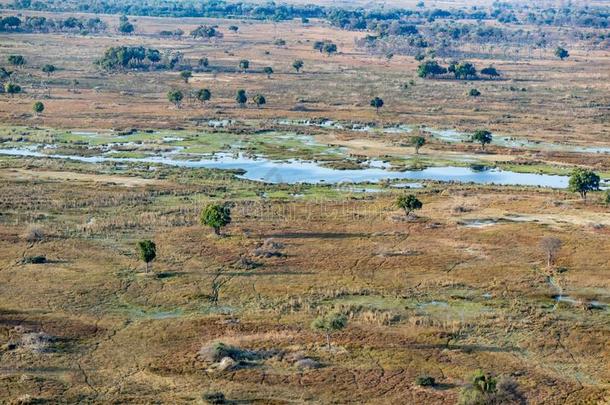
460, 286
429, 296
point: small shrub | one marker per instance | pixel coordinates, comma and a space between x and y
214, 397
474, 93
33, 234
425, 381
34, 260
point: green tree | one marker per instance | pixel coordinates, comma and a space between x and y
125, 27
147, 251
204, 95
329, 48
463, 70
233, 28
259, 100
582, 181
12, 88
16, 60
490, 71
561, 53
298, 65
48, 69
38, 107
241, 97
268, 70
244, 65
216, 216
408, 203
377, 103
474, 93
204, 62
186, 75
175, 97
418, 142
482, 136
328, 324
430, 68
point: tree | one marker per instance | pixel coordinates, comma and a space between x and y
463, 70
204, 95
561, 53
550, 246
186, 75
298, 65
125, 27
38, 107
408, 203
430, 68
582, 181
482, 136
318, 46
241, 97
474, 93
12, 88
48, 69
490, 71
205, 31
234, 28
268, 70
377, 103
329, 324
607, 197
244, 65
147, 252
418, 142
259, 100
175, 97
329, 48
16, 60
216, 216
204, 62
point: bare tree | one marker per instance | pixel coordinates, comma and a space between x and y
550, 246
220, 278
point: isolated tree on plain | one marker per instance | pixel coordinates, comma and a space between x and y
204, 95
220, 278
12, 89
234, 28
48, 69
125, 27
418, 142
474, 93
175, 97
329, 48
216, 216
244, 65
550, 246
241, 97
561, 53
377, 102
16, 60
298, 65
490, 71
582, 181
186, 75
259, 100
38, 108
268, 70
483, 137
408, 203
328, 324
147, 251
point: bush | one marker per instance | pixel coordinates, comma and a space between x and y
425, 381
34, 260
214, 397
474, 93
33, 234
